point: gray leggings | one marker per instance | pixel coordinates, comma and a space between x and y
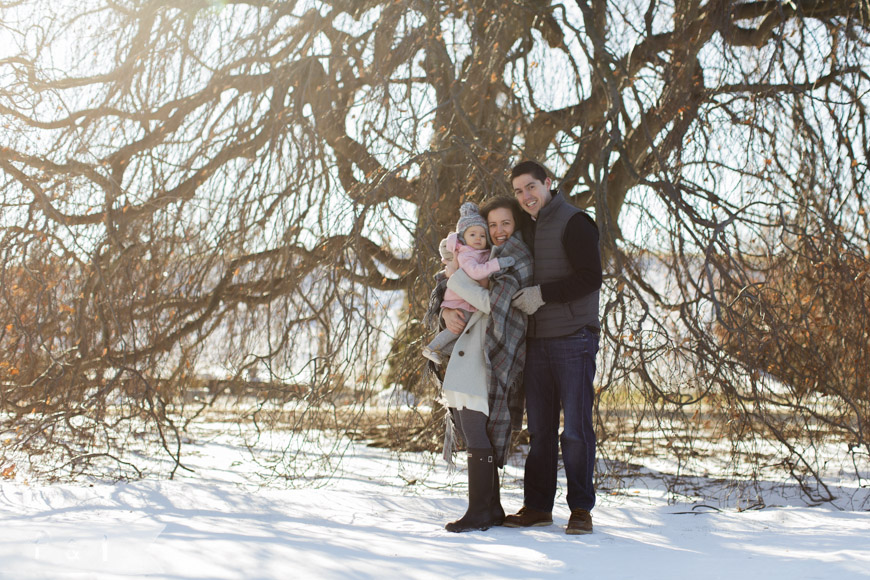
472, 425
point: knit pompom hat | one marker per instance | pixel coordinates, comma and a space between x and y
469, 216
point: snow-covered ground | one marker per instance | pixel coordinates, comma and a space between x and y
381, 516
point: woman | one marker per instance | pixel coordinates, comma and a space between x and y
482, 382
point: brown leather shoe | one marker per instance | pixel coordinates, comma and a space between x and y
580, 522
527, 517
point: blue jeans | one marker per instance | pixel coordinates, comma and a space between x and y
558, 376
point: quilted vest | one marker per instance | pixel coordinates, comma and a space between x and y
558, 318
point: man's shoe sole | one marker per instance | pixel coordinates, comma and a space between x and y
577, 532
507, 524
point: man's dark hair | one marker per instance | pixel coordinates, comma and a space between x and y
532, 168
505, 202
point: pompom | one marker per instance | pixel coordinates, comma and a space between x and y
468, 208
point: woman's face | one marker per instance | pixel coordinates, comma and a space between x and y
501, 225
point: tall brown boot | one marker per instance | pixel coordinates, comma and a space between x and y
479, 515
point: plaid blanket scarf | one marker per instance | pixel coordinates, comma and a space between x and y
505, 347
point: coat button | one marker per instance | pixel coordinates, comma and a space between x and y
461, 353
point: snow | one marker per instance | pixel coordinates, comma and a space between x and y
381, 515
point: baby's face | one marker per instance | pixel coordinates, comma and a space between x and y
475, 236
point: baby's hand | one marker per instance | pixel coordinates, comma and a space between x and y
450, 266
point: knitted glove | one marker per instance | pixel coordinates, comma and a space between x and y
506, 262
446, 253
528, 300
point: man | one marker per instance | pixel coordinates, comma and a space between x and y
561, 344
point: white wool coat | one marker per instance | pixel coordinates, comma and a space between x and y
465, 379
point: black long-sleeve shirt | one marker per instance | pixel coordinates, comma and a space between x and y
580, 240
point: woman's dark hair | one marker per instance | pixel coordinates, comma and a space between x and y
505, 202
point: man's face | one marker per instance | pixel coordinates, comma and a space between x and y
475, 236
532, 193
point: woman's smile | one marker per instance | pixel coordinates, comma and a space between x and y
501, 225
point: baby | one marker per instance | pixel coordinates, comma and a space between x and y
466, 248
